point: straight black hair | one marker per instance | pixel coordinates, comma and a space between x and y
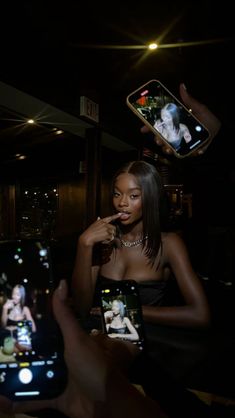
150, 183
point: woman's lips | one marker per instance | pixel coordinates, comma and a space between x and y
124, 216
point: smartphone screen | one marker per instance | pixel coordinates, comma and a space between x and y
122, 313
156, 106
24, 336
31, 345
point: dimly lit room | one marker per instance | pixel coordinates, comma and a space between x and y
86, 89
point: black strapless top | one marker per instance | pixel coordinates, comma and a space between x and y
152, 292
117, 330
11, 322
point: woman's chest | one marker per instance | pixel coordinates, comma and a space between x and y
130, 263
117, 323
173, 135
16, 313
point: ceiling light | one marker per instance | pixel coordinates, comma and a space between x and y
153, 46
144, 46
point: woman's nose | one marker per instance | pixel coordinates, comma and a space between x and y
123, 201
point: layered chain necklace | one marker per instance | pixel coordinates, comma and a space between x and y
130, 244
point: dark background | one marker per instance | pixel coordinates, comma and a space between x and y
53, 51
59, 51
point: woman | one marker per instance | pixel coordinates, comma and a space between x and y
97, 385
117, 324
14, 309
140, 251
170, 128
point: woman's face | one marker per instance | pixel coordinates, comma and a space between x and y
115, 307
127, 198
16, 295
166, 116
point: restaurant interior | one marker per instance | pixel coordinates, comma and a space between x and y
64, 131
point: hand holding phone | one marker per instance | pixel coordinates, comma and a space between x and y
169, 119
94, 363
31, 346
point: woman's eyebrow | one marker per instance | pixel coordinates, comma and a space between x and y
134, 188
131, 189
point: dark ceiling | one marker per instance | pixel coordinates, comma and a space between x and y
58, 51
34, 148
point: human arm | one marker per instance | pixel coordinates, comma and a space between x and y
5, 311
186, 134
84, 273
97, 384
195, 311
203, 114
159, 125
108, 316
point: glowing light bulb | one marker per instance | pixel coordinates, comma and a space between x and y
153, 46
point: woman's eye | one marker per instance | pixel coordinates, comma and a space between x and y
134, 196
116, 194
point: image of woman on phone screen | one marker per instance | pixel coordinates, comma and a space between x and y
169, 126
15, 310
117, 324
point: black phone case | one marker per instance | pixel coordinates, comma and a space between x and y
31, 363
125, 291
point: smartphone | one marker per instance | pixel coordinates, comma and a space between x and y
31, 346
121, 312
168, 118
23, 336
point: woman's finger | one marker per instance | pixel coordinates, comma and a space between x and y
111, 218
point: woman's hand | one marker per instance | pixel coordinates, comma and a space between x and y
108, 315
8, 304
202, 113
89, 358
101, 230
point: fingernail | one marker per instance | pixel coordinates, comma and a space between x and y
98, 218
184, 86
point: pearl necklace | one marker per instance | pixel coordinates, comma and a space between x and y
129, 244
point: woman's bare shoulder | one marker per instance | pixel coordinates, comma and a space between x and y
169, 236
170, 239
26, 309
